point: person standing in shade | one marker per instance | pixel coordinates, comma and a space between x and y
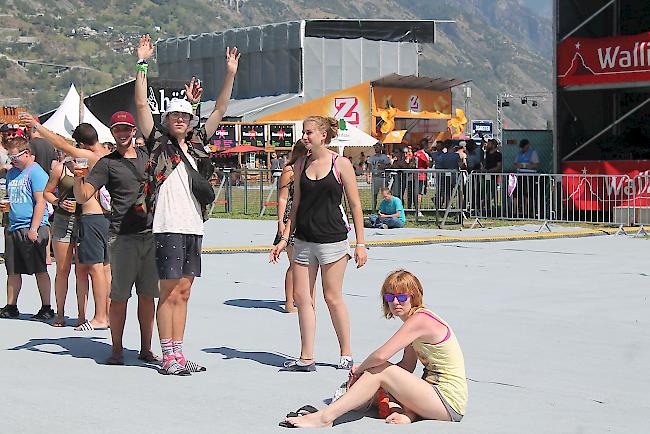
26, 237
376, 164
177, 215
526, 164
321, 238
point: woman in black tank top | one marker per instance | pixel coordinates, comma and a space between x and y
321, 237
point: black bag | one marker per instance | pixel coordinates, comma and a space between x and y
201, 187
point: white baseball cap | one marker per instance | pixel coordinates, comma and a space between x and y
181, 106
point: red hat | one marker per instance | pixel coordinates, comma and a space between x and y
122, 118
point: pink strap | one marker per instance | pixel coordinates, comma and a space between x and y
442, 323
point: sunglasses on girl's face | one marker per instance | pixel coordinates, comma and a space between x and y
400, 297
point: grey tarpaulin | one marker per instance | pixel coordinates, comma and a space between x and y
335, 54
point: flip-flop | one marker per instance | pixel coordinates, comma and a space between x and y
302, 411
149, 357
88, 327
115, 361
58, 323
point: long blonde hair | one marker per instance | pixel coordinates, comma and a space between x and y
324, 124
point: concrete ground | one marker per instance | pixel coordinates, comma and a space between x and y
555, 335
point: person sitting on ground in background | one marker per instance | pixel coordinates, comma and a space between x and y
391, 212
285, 198
26, 237
441, 393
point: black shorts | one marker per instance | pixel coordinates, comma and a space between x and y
178, 255
24, 256
422, 186
92, 241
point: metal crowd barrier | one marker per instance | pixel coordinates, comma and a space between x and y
571, 198
445, 197
430, 194
245, 191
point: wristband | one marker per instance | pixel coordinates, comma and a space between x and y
142, 62
195, 106
142, 67
360, 245
33, 230
285, 239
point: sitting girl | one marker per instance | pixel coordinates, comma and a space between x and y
441, 393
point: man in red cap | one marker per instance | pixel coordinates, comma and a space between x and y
92, 241
131, 242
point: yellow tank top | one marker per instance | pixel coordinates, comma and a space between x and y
444, 365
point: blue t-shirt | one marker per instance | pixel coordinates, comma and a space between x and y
392, 206
21, 186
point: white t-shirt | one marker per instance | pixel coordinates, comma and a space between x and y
177, 211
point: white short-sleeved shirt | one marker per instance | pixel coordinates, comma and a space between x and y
177, 210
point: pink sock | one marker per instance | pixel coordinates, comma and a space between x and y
178, 352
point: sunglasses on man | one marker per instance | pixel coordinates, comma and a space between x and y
15, 157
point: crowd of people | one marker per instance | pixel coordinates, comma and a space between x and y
133, 216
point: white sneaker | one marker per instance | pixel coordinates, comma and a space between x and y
345, 362
420, 214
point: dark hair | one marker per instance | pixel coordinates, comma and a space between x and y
85, 134
471, 145
298, 150
523, 143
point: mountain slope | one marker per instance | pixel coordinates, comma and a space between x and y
499, 44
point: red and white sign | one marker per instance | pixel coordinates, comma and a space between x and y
348, 109
602, 185
619, 59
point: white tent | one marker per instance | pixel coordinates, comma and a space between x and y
66, 118
351, 136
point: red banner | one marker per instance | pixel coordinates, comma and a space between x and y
603, 185
619, 59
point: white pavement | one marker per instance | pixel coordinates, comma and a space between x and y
555, 334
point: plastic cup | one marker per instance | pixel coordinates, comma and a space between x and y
82, 165
4, 205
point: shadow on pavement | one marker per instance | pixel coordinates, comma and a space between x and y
276, 305
83, 348
262, 357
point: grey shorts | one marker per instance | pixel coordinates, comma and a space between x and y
24, 256
92, 242
64, 227
133, 261
453, 414
306, 253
